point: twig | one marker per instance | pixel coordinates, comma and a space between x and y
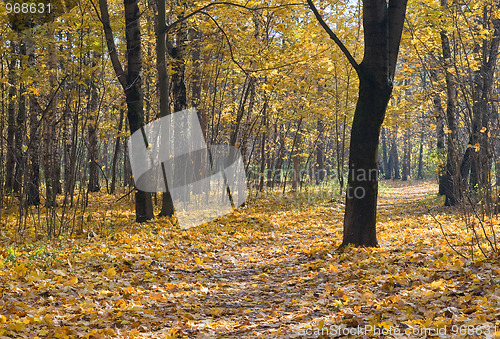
126, 194
481, 223
444, 234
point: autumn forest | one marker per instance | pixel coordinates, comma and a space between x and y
249, 169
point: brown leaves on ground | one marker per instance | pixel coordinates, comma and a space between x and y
268, 270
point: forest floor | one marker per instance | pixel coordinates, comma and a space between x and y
269, 270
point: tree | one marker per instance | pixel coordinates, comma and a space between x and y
131, 82
383, 26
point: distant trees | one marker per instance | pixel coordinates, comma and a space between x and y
76, 85
461, 57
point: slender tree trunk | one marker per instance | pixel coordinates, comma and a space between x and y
49, 133
384, 152
133, 94
115, 153
33, 176
11, 120
20, 154
320, 154
131, 82
94, 170
420, 172
477, 163
406, 156
450, 180
388, 161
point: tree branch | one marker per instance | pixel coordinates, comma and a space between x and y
228, 43
202, 9
333, 36
397, 11
113, 54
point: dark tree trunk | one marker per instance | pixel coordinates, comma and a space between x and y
387, 160
384, 152
20, 129
406, 156
394, 158
450, 180
131, 82
11, 121
383, 24
93, 106
133, 94
420, 171
320, 154
167, 208
440, 141
362, 184
115, 154
263, 149
49, 132
33, 176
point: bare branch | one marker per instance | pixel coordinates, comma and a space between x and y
333, 36
397, 10
113, 53
228, 42
202, 9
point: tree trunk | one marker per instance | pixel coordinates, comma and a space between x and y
263, 148
450, 180
320, 154
385, 162
133, 94
49, 133
20, 129
383, 25
115, 154
406, 157
394, 157
362, 183
11, 121
131, 82
420, 172
93, 106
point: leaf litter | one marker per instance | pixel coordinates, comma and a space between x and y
269, 270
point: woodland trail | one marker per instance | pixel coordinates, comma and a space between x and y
397, 193
268, 270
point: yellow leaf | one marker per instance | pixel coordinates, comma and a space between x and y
111, 272
20, 269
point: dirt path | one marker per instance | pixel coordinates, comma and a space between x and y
397, 193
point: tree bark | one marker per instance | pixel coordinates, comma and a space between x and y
131, 82
320, 154
20, 127
11, 120
385, 161
383, 24
93, 163
33, 175
49, 133
450, 180
115, 153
